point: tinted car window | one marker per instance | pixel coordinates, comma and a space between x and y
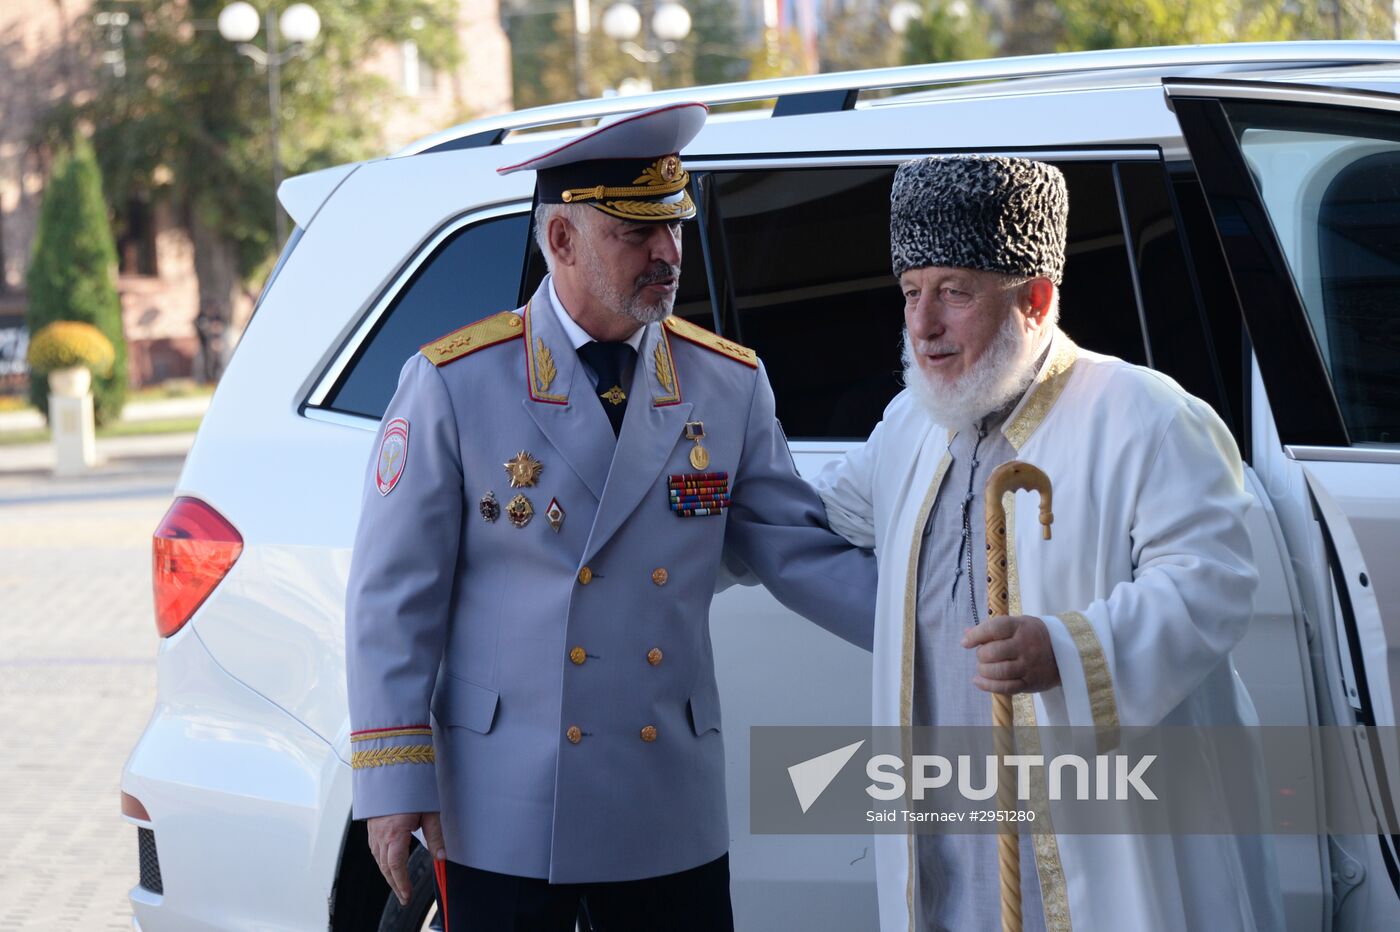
474, 273
812, 291
1359, 257
1330, 181
1201, 350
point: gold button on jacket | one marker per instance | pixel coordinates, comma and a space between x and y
649, 734
577, 655
585, 576
654, 656
574, 734
659, 576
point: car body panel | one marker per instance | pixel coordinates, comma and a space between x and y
242, 798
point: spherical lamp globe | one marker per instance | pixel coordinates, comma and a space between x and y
239, 22
671, 22
621, 21
300, 23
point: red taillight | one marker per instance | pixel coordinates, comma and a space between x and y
193, 549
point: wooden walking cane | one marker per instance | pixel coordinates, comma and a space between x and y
1013, 476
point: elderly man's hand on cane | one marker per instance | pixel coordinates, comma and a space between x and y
1014, 655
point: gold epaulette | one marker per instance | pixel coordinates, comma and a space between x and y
464, 341
711, 341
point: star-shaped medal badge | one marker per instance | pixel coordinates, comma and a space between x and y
524, 470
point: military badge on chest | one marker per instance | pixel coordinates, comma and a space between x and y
699, 456
523, 471
698, 494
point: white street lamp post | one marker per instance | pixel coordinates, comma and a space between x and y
903, 14
670, 23
299, 24
583, 25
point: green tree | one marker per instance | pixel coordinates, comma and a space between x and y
188, 123
714, 44
779, 56
948, 30
1102, 24
72, 275
1028, 27
1099, 24
543, 67
860, 38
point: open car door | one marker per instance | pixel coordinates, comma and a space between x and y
1303, 186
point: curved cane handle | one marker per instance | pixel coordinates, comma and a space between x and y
1011, 476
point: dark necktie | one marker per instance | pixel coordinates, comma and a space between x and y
608, 361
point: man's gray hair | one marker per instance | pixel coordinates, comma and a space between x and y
574, 213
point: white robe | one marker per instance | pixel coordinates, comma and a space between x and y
1145, 587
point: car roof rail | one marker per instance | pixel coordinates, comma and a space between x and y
825, 93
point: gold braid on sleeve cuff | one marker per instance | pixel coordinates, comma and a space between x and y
383, 757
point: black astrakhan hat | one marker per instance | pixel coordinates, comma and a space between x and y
979, 212
628, 167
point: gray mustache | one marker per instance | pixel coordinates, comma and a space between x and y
660, 274
925, 348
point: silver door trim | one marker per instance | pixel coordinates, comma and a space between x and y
1360, 453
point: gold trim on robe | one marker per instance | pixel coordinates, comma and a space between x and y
906, 669
1097, 678
1049, 383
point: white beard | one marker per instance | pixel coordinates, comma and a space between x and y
1002, 375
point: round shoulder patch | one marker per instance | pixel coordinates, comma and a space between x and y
393, 453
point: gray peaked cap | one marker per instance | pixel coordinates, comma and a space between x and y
981, 212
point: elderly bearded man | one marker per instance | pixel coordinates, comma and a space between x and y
1128, 618
541, 534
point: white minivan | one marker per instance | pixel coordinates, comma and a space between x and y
1234, 223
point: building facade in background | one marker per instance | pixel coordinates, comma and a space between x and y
42, 63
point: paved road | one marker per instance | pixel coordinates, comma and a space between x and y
77, 680
154, 410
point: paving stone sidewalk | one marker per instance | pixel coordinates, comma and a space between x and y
77, 677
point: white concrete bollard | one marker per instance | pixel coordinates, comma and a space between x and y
71, 421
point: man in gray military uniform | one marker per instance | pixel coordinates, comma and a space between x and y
551, 498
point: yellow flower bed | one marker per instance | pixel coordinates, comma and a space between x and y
64, 344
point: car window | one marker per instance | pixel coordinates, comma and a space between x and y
473, 273
1193, 323
812, 291
1330, 181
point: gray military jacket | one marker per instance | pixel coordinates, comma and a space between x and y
553, 693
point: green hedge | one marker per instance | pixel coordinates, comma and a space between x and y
72, 275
